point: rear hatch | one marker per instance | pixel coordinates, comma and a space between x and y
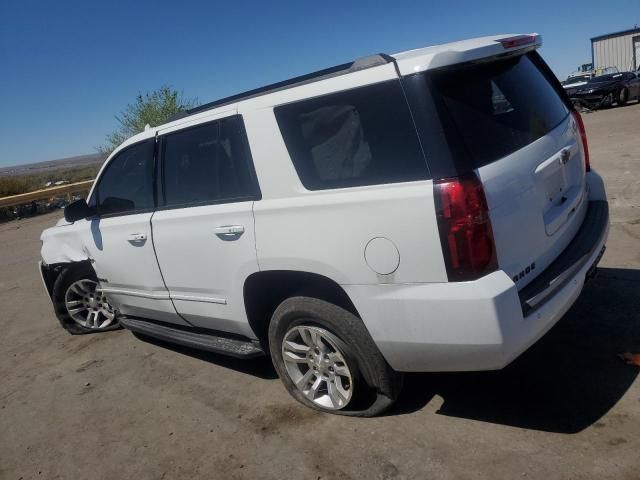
525, 146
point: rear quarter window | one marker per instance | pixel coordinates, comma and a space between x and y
496, 108
363, 136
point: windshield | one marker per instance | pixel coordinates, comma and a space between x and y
606, 71
606, 78
576, 79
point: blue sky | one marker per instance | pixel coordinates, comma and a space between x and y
66, 68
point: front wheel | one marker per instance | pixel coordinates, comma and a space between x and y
327, 360
607, 101
79, 305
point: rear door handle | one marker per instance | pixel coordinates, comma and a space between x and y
137, 237
227, 232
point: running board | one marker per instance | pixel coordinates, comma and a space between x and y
201, 341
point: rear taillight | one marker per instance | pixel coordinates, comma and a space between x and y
465, 228
583, 137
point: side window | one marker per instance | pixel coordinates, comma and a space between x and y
126, 186
208, 163
363, 136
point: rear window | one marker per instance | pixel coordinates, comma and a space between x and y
497, 107
363, 136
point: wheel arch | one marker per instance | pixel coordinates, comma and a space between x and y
263, 291
50, 273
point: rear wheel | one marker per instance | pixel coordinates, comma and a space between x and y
327, 360
79, 305
318, 366
623, 96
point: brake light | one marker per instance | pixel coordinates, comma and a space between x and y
465, 229
583, 137
518, 41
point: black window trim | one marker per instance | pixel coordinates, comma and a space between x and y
96, 190
539, 62
161, 204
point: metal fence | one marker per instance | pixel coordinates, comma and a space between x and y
45, 194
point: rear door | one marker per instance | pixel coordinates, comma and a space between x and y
526, 147
118, 239
203, 230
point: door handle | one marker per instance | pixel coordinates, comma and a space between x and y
229, 232
137, 237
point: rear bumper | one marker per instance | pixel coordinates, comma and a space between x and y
576, 255
479, 325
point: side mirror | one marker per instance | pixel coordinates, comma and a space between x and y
77, 210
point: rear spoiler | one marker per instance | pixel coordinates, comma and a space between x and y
468, 51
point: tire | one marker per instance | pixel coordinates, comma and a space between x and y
74, 287
367, 387
623, 96
607, 101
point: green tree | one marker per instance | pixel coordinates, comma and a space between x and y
153, 108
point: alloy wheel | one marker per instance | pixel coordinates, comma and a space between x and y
88, 307
317, 366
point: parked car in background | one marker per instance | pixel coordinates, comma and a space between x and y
576, 79
604, 90
432, 210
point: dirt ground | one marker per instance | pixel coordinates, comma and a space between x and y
112, 406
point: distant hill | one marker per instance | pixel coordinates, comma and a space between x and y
50, 165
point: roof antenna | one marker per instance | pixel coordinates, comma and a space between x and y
147, 127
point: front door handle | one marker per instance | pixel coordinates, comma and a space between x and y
229, 232
137, 237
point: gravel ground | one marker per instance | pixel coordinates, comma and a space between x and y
113, 406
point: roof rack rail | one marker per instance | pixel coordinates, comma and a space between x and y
356, 65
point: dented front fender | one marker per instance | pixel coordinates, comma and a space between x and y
62, 244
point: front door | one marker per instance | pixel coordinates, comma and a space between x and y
203, 230
118, 239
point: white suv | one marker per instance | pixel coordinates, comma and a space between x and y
432, 210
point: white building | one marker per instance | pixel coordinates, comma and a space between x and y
618, 49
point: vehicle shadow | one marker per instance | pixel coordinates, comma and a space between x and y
629, 103
564, 383
257, 367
